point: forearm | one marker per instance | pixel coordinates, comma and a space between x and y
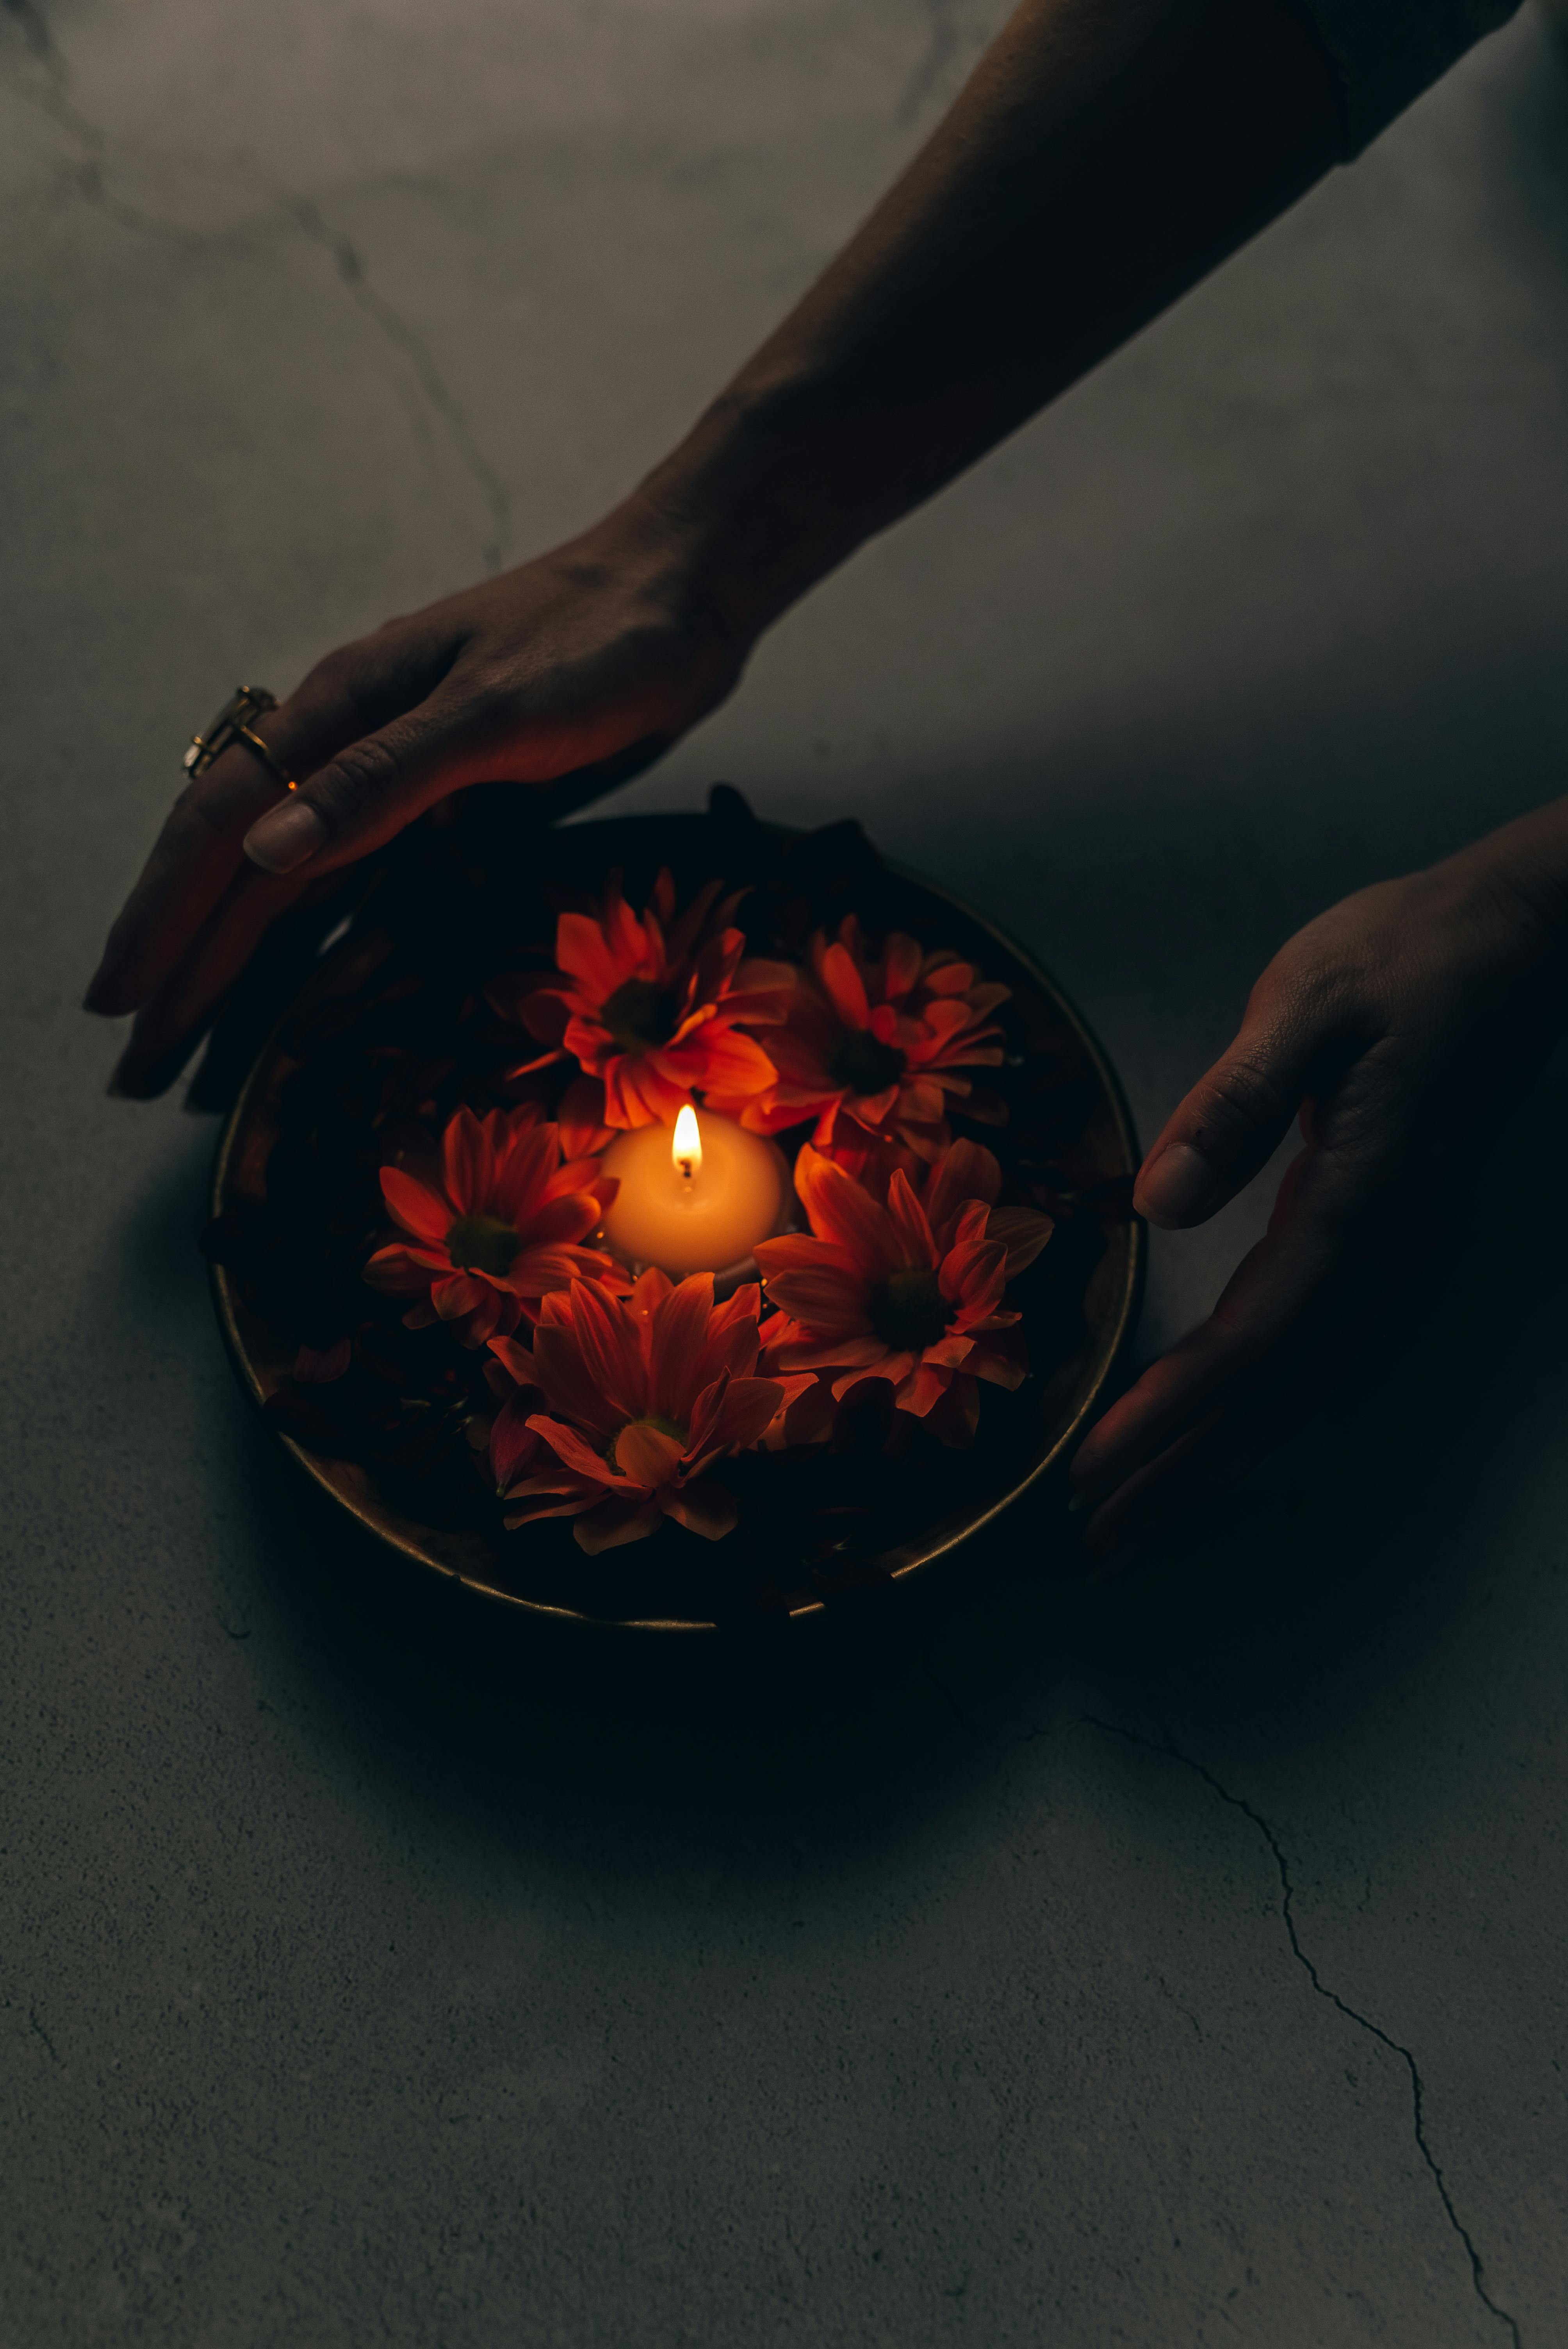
1103, 156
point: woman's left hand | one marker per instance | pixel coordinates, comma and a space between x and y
1389, 1025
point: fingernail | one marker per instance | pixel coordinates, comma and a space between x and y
1079, 1501
286, 836
1177, 1189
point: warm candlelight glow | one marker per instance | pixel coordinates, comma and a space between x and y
687, 1149
694, 1200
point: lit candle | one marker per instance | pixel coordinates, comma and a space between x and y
698, 1200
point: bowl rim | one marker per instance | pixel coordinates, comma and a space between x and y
904, 1561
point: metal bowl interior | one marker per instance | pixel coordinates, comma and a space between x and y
1045, 1028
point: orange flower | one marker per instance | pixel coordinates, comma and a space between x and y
650, 1006
497, 1230
644, 1394
875, 1047
909, 1290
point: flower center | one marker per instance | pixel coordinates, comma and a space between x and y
639, 1014
861, 1063
483, 1244
908, 1311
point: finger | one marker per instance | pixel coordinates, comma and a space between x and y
170, 1022
1236, 1115
199, 850
197, 853
1193, 1472
380, 782
1276, 1306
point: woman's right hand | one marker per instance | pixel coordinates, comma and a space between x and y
570, 661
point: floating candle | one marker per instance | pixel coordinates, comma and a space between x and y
697, 1200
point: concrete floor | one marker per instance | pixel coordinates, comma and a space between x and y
1177, 1966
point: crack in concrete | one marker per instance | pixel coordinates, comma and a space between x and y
352, 273
55, 101
37, 2027
348, 263
33, 30
929, 67
1172, 1752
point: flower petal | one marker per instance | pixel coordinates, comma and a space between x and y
822, 1300
581, 1117
679, 1348
559, 1222
839, 1211
402, 1271
861, 1354
524, 1163
966, 1170
617, 1522
907, 1218
646, 1454
513, 1443
744, 1412
418, 1211
844, 986
608, 1343
468, 1163
564, 1377
456, 1295
901, 960
584, 952
718, 1058
319, 1367
1023, 1232
569, 1447
708, 1509
517, 1362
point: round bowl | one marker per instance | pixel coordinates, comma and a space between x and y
1070, 1137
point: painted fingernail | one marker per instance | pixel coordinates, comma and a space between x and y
1177, 1189
286, 836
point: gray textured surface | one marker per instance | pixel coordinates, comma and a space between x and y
364, 1980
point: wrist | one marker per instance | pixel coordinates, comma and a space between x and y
1520, 871
757, 500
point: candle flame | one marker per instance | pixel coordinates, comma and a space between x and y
687, 1149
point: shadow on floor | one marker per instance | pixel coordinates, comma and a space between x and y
1331, 1575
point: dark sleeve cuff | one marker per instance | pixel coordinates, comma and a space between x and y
1390, 51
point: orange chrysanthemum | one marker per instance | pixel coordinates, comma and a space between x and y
643, 1395
909, 1290
652, 1007
497, 1230
875, 1047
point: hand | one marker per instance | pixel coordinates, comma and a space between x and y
592, 651
1389, 1025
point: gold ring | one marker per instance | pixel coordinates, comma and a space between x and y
231, 725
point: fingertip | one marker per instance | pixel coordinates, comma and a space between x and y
1177, 1189
286, 837
106, 990
142, 1077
